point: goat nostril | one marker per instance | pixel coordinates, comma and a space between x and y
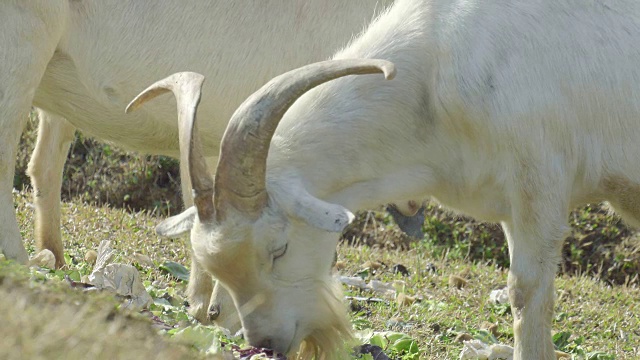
214, 312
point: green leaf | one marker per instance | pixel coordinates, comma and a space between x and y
378, 340
393, 336
599, 355
74, 275
198, 336
405, 345
67, 259
561, 339
363, 274
397, 342
486, 337
162, 302
179, 271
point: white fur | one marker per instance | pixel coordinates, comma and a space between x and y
81, 61
510, 111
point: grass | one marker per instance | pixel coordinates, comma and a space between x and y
599, 317
597, 307
43, 318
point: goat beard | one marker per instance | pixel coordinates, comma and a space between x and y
330, 341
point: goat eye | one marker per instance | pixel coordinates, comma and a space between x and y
279, 252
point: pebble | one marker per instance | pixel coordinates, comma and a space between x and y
91, 256
405, 300
44, 258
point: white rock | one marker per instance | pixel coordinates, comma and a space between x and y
500, 296
382, 288
353, 281
476, 349
44, 258
379, 287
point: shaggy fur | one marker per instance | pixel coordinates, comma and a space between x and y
330, 342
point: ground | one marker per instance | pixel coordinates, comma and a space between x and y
113, 195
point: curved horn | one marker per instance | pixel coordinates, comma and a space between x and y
186, 87
240, 176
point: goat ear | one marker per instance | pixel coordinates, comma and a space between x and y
326, 216
315, 212
177, 225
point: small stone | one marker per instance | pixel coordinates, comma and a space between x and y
457, 282
499, 296
382, 288
463, 337
405, 300
340, 265
353, 281
44, 258
91, 256
562, 355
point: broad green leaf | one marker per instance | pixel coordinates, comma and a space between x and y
561, 339
199, 336
179, 271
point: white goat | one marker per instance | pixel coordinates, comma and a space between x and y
511, 111
81, 61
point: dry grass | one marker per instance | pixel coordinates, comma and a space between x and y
49, 320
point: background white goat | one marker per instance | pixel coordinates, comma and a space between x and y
510, 111
81, 61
